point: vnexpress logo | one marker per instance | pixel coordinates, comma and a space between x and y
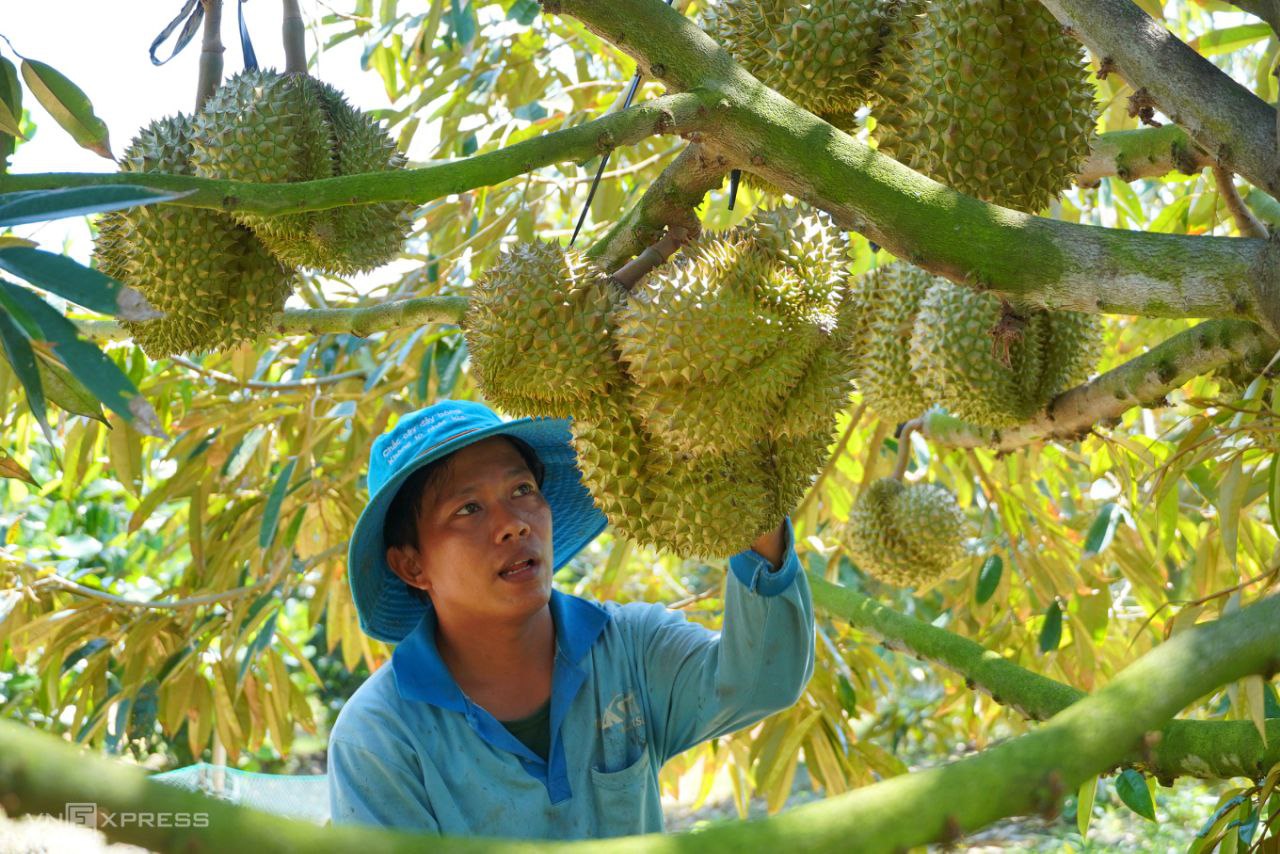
89, 815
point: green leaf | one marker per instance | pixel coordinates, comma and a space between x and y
1273, 493
60, 275
848, 697
1102, 530
17, 349
11, 95
1084, 804
462, 22
988, 578
1166, 520
1229, 39
68, 105
9, 123
61, 388
1133, 791
259, 644
1230, 498
1051, 631
448, 362
87, 363
41, 205
523, 12
271, 513
9, 467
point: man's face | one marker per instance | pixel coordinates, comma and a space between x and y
484, 536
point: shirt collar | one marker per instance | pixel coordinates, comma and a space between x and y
421, 674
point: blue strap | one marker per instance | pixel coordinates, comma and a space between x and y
193, 11
246, 46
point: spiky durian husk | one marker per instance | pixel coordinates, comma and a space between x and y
908, 535
267, 127
538, 330
822, 54
706, 505
955, 355
890, 299
215, 282
720, 339
991, 98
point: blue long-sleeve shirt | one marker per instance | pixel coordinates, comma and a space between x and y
632, 686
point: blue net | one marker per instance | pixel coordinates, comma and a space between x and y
304, 796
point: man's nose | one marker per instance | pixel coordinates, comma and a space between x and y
511, 524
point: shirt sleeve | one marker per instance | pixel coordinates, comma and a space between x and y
702, 684
366, 788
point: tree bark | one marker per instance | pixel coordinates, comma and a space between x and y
1234, 125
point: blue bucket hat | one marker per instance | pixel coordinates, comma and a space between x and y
387, 609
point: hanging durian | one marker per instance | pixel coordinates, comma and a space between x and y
889, 299
994, 384
718, 341
538, 329
905, 534
824, 54
989, 97
213, 279
267, 127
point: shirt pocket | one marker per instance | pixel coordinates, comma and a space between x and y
626, 799
624, 779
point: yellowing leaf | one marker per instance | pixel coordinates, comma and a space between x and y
1255, 701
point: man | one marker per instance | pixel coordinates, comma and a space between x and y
510, 709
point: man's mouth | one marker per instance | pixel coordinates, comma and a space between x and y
520, 570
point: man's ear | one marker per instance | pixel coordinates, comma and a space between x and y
403, 561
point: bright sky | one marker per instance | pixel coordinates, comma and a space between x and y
103, 46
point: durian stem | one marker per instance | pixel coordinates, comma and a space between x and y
362, 321
1131, 155
854, 420
41, 774
653, 256
1144, 381
669, 202
1207, 749
295, 41
1232, 123
904, 447
1246, 223
211, 51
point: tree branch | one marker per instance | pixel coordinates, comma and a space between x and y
1143, 153
1246, 223
1023, 258
1206, 749
669, 202
362, 321
665, 115
1237, 127
1028, 774
1142, 381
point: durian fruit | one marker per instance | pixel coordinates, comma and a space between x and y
823, 55
718, 340
975, 377
890, 299
538, 331
989, 97
706, 505
213, 279
908, 535
267, 127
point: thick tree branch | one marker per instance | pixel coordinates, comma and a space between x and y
1024, 775
668, 114
1143, 153
1142, 381
1237, 127
1208, 749
362, 321
668, 202
1024, 258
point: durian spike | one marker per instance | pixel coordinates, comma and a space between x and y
295, 44
904, 446
211, 51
